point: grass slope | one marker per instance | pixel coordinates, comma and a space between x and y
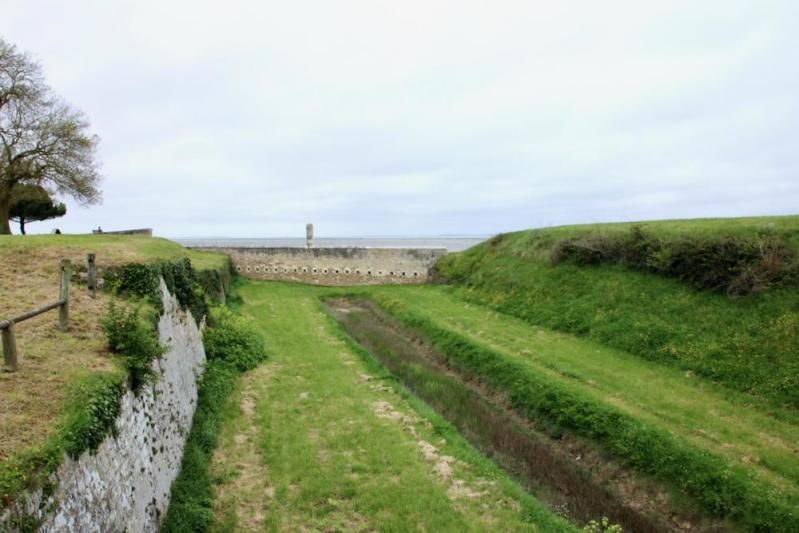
750, 343
110, 249
61, 374
320, 438
733, 458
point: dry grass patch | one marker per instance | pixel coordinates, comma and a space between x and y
32, 398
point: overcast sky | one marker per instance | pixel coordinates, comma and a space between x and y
233, 118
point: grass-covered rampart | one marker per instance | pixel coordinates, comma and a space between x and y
81, 392
717, 297
719, 486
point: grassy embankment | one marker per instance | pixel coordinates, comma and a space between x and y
733, 452
749, 343
64, 379
736, 460
321, 438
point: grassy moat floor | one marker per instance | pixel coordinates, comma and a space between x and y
319, 439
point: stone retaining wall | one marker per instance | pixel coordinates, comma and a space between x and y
125, 485
334, 266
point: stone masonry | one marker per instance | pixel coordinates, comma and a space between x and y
335, 266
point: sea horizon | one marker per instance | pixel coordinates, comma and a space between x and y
451, 243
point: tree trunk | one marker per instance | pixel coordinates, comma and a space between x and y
22, 225
5, 209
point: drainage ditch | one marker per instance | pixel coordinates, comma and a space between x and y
569, 474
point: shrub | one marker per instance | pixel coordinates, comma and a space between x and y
232, 345
234, 340
93, 404
737, 265
181, 280
179, 276
92, 415
134, 340
140, 280
213, 283
191, 505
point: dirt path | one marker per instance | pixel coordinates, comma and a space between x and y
319, 440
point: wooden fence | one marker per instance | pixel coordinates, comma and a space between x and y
10, 353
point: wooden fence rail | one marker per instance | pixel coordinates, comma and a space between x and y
10, 355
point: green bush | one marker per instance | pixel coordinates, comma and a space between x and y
191, 505
179, 276
602, 526
140, 280
737, 265
92, 415
134, 340
232, 345
214, 283
233, 339
181, 280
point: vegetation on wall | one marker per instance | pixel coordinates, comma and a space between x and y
134, 340
94, 401
233, 345
748, 343
182, 280
90, 413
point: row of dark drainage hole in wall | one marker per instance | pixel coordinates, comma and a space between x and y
316, 271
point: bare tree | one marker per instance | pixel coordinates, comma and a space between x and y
45, 142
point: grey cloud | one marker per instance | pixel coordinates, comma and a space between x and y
424, 117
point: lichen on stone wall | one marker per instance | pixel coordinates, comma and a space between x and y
125, 484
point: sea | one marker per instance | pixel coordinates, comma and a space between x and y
452, 244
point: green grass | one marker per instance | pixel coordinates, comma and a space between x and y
232, 345
539, 462
64, 398
114, 249
322, 438
749, 344
735, 459
87, 416
698, 227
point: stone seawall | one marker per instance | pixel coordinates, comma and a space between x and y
125, 485
334, 266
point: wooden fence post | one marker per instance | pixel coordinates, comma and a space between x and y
63, 309
9, 349
91, 276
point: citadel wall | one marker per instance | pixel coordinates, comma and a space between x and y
334, 266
